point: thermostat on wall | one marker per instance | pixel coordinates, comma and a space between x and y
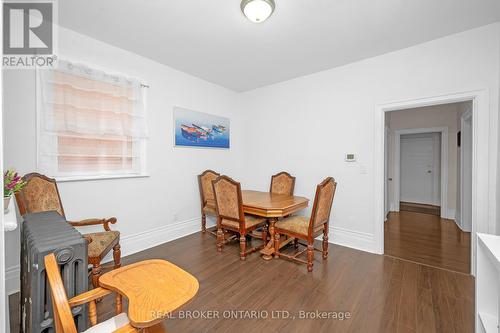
350, 157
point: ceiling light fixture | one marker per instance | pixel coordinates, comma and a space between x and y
257, 11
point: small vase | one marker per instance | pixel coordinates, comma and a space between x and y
6, 201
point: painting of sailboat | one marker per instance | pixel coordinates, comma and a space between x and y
197, 129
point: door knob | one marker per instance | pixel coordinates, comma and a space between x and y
429, 171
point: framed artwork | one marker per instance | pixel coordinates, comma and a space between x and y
198, 129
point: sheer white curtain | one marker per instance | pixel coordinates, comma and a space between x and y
90, 123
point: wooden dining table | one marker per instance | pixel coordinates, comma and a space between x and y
271, 206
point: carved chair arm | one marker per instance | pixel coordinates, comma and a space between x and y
89, 296
104, 222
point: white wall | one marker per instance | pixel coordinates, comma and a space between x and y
149, 210
306, 125
428, 117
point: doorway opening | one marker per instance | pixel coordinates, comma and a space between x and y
428, 185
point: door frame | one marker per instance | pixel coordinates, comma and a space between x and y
483, 167
387, 207
443, 166
463, 118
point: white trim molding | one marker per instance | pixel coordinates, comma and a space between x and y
351, 238
443, 165
483, 168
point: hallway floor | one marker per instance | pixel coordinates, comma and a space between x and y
427, 239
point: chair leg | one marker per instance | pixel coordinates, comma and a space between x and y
117, 254
243, 247
277, 237
296, 243
325, 243
220, 240
264, 234
310, 257
203, 223
96, 273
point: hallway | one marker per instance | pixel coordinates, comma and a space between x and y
427, 239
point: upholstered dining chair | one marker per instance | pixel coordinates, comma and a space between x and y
41, 194
230, 216
308, 228
282, 183
63, 318
207, 197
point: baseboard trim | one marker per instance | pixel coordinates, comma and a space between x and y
449, 214
353, 239
130, 244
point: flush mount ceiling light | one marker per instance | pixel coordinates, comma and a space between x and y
257, 10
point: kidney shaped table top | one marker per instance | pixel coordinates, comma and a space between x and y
154, 289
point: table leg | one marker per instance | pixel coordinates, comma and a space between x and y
267, 252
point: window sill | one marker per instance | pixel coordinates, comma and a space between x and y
103, 177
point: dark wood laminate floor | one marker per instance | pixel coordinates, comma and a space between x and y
381, 293
427, 239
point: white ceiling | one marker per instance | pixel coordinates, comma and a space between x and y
212, 40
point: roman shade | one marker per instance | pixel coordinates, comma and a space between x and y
91, 123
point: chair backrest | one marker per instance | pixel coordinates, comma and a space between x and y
205, 184
63, 318
282, 183
323, 200
228, 200
39, 195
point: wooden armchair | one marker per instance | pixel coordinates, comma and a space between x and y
41, 194
282, 183
230, 216
207, 197
308, 228
63, 318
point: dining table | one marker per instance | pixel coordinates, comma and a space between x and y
271, 206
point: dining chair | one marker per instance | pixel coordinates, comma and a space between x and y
41, 194
230, 216
63, 317
207, 197
308, 228
282, 183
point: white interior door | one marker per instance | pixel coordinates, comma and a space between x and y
420, 168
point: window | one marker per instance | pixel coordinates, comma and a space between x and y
91, 124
